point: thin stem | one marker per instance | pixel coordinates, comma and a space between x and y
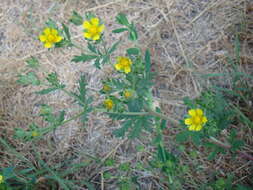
63, 123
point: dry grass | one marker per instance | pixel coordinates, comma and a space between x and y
187, 38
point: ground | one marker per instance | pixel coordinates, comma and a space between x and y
187, 39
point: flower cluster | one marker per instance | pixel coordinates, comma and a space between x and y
93, 29
49, 37
196, 120
123, 64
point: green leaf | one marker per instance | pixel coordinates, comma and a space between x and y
97, 63
133, 35
119, 30
182, 137
83, 58
76, 19
122, 19
51, 24
66, 31
92, 48
32, 62
114, 47
147, 62
52, 78
133, 51
121, 131
163, 124
124, 166
29, 78
46, 91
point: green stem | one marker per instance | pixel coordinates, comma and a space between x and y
48, 129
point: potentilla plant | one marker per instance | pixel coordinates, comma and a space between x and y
127, 97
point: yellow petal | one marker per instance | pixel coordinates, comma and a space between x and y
96, 37
204, 120
48, 45
54, 31
192, 127
117, 66
192, 112
198, 128
101, 28
94, 21
127, 69
188, 121
47, 31
42, 38
87, 35
86, 25
199, 112
58, 39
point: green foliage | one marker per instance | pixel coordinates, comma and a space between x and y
33, 63
84, 58
130, 27
135, 113
76, 19
28, 79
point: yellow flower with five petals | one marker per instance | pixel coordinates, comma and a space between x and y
49, 37
196, 120
93, 29
123, 64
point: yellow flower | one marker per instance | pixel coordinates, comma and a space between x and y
93, 29
1, 179
123, 64
108, 103
106, 88
128, 94
49, 37
35, 134
196, 120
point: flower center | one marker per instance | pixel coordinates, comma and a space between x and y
197, 120
94, 30
51, 38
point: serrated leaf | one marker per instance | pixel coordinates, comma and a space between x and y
76, 19
83, 58
136, 130
32, 62
52, 78
121, 131
119, 30
133, 51
122, 19
66, 31
29, 78
46, 91
92, 48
